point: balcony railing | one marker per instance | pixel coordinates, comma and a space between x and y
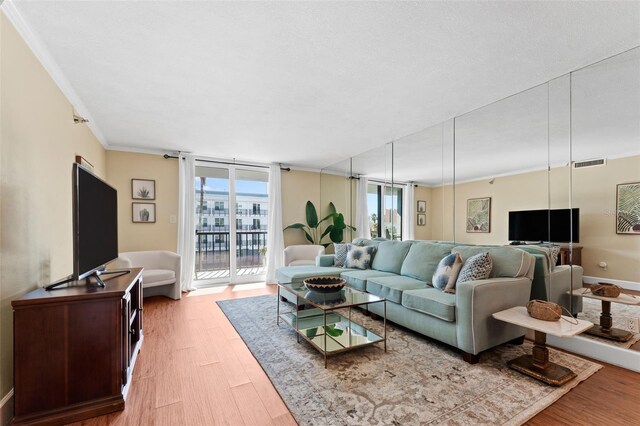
213, 250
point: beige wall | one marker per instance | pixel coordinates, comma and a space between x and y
594, 193
38, 142
423, 193
161, 235
297, 188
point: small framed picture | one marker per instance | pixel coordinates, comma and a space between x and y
143, 212
422, 219
422, 206
143, 189
628, 208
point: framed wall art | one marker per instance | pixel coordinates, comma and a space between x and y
479, 215
628, 208
422, 219
422, 206
143, 189
143, 212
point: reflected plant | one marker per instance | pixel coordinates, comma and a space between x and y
312, 228
332, 331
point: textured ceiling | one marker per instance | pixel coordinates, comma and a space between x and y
309, 83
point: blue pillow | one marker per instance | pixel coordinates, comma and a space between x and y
476, 267
359, 257
341, 254
447, 272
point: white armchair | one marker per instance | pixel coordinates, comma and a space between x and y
161, 275
298, 255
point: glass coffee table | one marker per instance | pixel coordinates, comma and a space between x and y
329, 331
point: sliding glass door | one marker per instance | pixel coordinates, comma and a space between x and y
231, 224
385, 212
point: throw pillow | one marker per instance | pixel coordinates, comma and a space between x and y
341, 254
477, 267
447, 272
359, 257
555, 252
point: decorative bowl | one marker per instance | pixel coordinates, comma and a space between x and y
325, 284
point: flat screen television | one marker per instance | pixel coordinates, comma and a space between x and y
557, 226
95, 223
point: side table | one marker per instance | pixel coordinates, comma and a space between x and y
605, 329
537, 365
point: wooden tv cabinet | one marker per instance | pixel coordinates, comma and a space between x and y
75, 348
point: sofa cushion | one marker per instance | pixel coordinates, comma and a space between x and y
447, 272
358, 279
390, 256
156, 277
302, 262
477, 267
289, 274
359, 257
392, 287
508, 262
431, 301
422, 260
340, 254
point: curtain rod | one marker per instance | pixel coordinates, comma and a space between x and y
286, 169
415, 185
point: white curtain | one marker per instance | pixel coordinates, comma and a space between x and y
362, 210
186, 219
275, 239
409, 213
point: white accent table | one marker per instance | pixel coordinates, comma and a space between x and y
605, 329
537, 365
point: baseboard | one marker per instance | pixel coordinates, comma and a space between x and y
6, 408
610, 354
631, 285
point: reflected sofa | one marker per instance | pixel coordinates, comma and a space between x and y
400, 272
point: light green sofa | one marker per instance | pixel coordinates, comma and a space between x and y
400, 272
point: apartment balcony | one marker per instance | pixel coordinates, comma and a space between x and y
213, 253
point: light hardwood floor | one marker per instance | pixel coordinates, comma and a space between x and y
194, 369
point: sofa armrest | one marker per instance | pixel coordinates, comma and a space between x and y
563, 279
477, 301
325, 260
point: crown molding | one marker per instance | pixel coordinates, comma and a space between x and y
10, 10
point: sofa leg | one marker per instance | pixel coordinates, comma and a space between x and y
517, 340
470, 358
374, 316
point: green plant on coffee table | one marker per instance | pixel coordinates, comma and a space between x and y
312, 228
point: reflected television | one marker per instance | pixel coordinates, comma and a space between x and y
557, 226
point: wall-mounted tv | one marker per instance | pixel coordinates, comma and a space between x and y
95, 223
557, 226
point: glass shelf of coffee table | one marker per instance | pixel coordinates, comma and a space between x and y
331, 332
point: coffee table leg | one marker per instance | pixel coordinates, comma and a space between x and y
350, 334
324, 315
538, 366
278, 308
384, 321
605, 329
297, 316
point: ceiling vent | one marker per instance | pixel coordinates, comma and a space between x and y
590, 163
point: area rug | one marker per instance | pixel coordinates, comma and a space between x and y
416, 382
620, 315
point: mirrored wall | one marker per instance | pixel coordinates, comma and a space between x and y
554, 169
